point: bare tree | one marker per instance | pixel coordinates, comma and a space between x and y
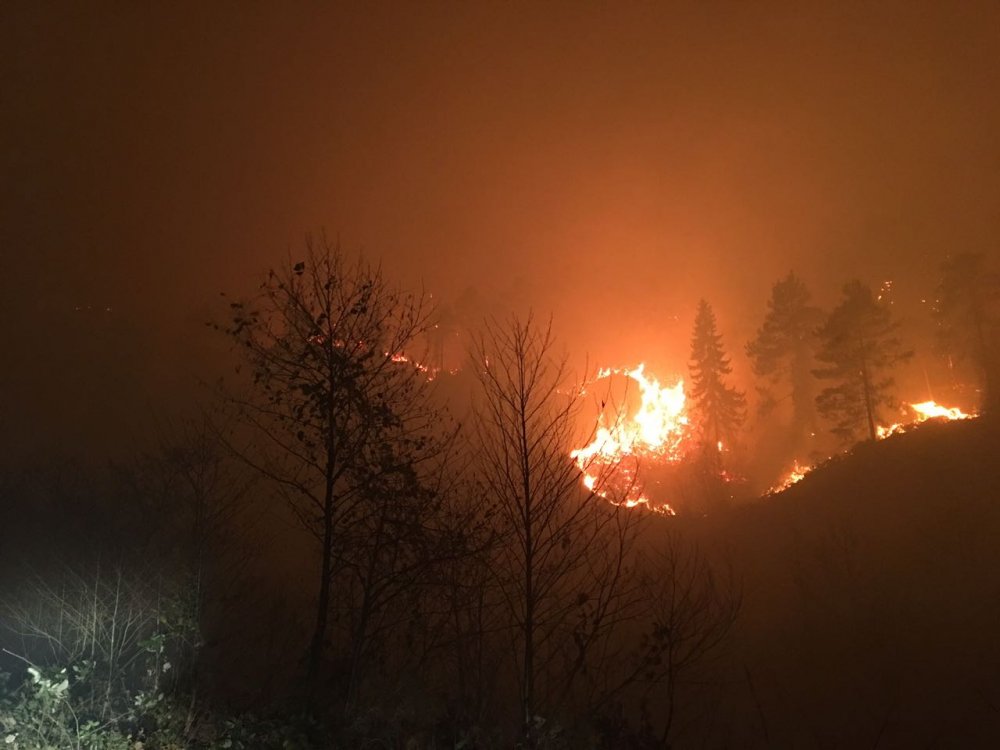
197, 493
693, 610
198, 510
562, 584
113, 635
335, 414
689, 609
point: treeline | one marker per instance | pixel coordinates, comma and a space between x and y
836, 368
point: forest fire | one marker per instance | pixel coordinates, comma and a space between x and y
922, 412
400, 358
796, 474
653, 430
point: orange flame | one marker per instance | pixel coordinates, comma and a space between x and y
930, 410
924, 410
654, 432
796, 474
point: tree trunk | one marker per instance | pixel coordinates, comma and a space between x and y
869, 406
866, 384
803, 415
323, 599
528, 688
529, 562
987, 361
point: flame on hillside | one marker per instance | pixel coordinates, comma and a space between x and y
921, 412
624, 439
796, 474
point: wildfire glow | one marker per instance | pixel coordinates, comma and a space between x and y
655, 432
431, 372
318, 339
923, 411
796, 474
929, 410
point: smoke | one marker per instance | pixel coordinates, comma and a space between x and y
610, 165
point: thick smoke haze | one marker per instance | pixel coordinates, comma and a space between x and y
299, 509
609, 163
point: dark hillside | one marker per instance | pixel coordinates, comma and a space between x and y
872, 597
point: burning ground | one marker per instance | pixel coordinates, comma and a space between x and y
643, 440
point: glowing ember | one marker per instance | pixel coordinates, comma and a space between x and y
653, 433
796, 474
400, 358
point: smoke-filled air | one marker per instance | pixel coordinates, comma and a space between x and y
491, 376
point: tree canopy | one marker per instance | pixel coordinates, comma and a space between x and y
720, 408
783, 350
967, 311
859, 349
336, 416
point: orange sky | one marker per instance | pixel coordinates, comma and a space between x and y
611, 163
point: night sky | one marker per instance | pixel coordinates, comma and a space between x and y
609, 163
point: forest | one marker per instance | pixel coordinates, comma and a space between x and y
387, 528
482, 375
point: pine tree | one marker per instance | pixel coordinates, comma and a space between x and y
719, 407
859, 348
783, 351
967, 310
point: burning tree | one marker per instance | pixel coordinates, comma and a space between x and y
336, 417
967, 310
782, 352
859, 347
720, 409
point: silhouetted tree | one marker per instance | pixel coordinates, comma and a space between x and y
859, 348
967, 310
198, 494
336, 417
195, 500
693, 606
782, 352
719, 408
561, 555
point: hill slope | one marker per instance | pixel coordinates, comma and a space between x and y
872, 597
